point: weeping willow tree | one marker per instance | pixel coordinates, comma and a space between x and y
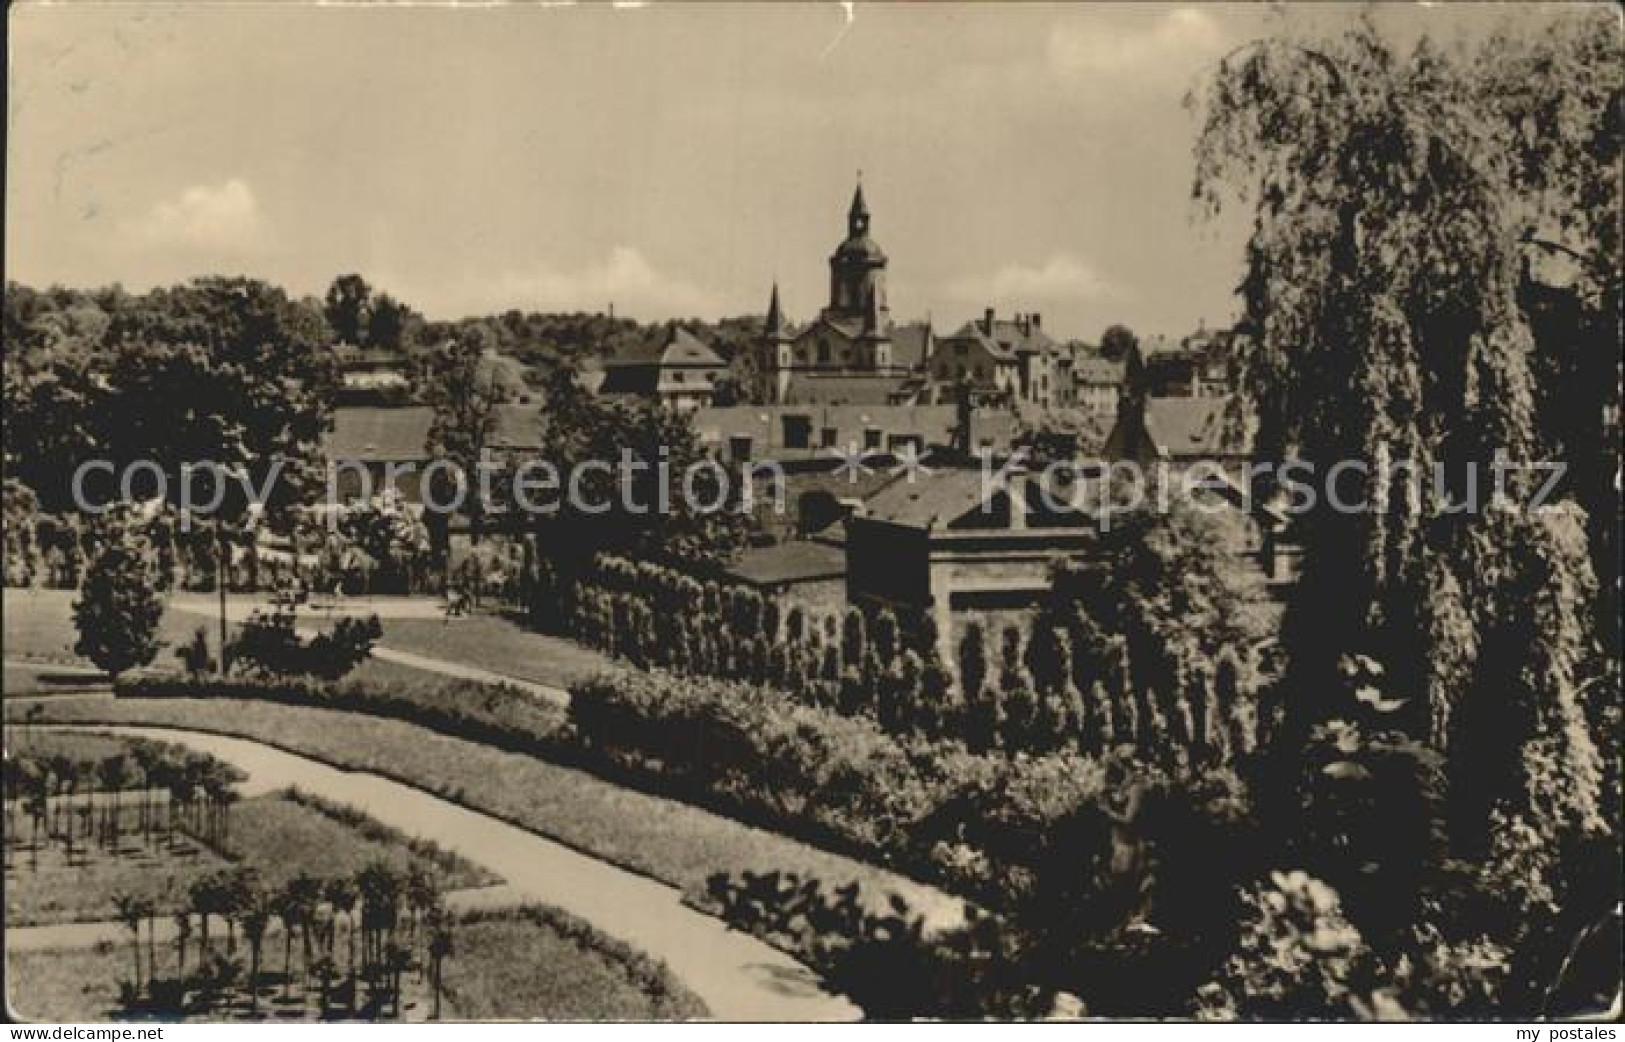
1403, 199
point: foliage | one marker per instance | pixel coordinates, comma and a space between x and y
1394, 193
118, 609
1117, 341
21, 551
347, 307
588, 438
379, 545
882, 959
1298, 956
757, 752
490, 714
464, 394
1169, 586
267, 645
1434, 261
107, 375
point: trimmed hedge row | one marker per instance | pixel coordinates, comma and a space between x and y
491, 714
1024, 689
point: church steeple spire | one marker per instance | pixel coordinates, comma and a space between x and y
775, 315
857, 215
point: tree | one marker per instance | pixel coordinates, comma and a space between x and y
1117, 341
132, 909
118, 609
464, 393
390, 323
701, 526
348, 309
1395, 195
254, 910
441, 948
1170, 584
342, 894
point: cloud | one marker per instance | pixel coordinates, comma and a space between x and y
1169, 47
624, 278
205, 217
1061, 278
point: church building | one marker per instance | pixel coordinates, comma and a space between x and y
852, 353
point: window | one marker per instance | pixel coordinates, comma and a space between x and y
797, 432
823, 352
871, 437
739, 447
677, 377
831, 436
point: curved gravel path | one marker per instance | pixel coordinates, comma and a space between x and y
738, 976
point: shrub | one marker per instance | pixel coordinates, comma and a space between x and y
118, 609
757, 751
267, 645
492, 714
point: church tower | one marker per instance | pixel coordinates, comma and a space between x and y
857, 269
874, 342
776, 359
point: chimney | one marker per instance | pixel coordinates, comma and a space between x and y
987, 321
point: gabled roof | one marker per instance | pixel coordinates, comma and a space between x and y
849, 327
1022, 340
910, 344
668, 347
1188, 428
937, 499
972, 332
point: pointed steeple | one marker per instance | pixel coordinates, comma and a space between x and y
857, 215
775, 316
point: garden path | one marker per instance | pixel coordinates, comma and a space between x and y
739, 977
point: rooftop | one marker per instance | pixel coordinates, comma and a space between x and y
1197, 427
368, 434
934, 500
790, 562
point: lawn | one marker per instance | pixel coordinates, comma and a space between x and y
38, 628
496, 644
674, 842
520, 964
532, 962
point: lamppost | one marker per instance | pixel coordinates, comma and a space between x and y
222, 570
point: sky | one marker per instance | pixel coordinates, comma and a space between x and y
671, 160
